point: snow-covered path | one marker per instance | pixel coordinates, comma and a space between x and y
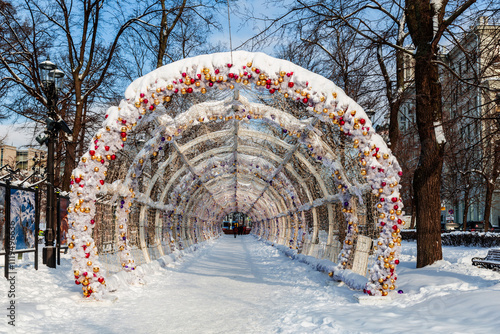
245, 286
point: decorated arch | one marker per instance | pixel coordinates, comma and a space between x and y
239, 152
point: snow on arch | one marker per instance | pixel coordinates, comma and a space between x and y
323, 99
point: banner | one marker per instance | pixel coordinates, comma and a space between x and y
22, 217
2, 218
63, 220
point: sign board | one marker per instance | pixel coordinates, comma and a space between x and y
22, 216
361, 254
2, 218
63, 220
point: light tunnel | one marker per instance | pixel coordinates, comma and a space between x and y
237, 132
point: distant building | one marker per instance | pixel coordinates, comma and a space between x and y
23, 159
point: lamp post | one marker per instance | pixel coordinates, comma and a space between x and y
51, 84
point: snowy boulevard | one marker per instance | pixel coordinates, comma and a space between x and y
241, 285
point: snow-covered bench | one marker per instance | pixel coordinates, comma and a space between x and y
491, 261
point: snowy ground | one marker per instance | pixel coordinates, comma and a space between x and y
244, 286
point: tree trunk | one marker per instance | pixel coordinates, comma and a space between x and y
70, 159
466, 209
490, 186
427, 178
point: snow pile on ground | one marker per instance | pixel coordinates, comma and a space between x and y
242, 285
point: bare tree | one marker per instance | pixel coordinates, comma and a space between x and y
86, 45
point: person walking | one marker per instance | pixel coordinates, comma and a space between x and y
235, 229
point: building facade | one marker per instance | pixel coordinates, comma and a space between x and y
24, 159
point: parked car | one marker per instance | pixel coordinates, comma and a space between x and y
477, 226
450, 226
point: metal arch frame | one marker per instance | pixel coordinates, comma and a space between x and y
292, 150
326, 95
227, 149
195, 198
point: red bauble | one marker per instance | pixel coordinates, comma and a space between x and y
394, 199
151, 107
229, 65
271, 91
92, 152
216, 71
101, 182
305, 100
87, 255
77, 282
184, 74
290, 84
77, 180
362, 121
100, 279
106, 148
123, 134
113, 157
189, 90
257, 71
396, 261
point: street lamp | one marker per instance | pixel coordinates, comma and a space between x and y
52, 80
